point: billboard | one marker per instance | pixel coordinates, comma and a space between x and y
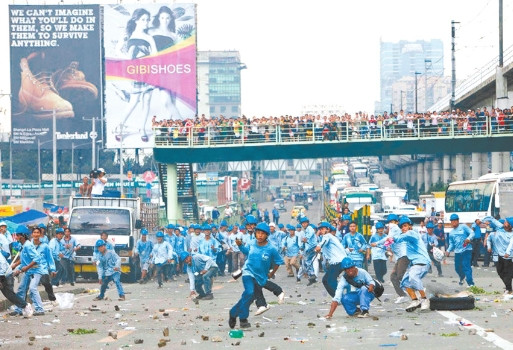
150, 69
56, 71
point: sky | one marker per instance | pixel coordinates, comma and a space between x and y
301, 53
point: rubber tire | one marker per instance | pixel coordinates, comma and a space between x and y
465, 303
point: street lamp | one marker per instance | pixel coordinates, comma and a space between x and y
416, 91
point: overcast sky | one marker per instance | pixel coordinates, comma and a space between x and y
324, 51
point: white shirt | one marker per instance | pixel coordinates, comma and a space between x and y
98, 186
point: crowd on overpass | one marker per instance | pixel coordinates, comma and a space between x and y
333, 127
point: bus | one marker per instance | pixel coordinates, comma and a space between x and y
357, 199
490, 195
389, 199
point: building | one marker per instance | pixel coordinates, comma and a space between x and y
219, 83
409, 60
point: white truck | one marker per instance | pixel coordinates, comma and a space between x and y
119, 218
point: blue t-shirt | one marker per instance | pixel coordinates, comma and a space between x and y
259, 261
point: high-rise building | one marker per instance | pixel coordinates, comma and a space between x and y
408, 59
219, 83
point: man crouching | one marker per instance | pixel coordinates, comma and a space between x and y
354, 291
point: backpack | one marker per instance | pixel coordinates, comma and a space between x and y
378, 286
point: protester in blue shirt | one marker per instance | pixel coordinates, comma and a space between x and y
333, 253
68, 256
142, 250
309, 241
503, 246
7, 288
432, 241
355, 245
161, 255
476, 241
30, 262
48, 264
460, 238
96, 254
354, 290
262, 262
204, 269
378, 256
290, 248
109, 269
57, 249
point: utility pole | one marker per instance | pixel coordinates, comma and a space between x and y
501, 53
416, 91
453, 61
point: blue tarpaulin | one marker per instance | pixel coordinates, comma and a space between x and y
29, 217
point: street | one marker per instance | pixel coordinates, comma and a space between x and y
298, 322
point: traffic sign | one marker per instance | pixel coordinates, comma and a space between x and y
93, 135
149, 176
129, 175
244, 184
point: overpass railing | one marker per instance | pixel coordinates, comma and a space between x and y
265, 134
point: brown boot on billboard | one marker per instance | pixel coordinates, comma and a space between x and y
71, 84
38, 95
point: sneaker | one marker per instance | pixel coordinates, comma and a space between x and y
281, 298
363, 314
173, 278
39, 313
298, 280
55, 303
72, 284
262, 309
232, 321
400, 300
199, 297
28, 311
415, 304
97, 298
311, 281
122, 298
424, 305
440, 275
14, 313
460, 282
290, 275
244, 323
208, 297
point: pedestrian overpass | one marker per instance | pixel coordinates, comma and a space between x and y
201, 145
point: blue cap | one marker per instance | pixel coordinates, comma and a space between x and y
41, 225
230, 228
22, 230
263, 227
324, 224
347, 263
280, 226
510, 220
454, 217
144, 231
59, 230
502, 221
206, 227
213, 226
170, 226
99, 243
391, 217
290, 227
250, 219
223, 223
332, 228
197, 227
313, 226
404, 220
184, 255
299, 226
304, 219
160, 234
346, 217
379, 225
430, 225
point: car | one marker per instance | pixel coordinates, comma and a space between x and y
279, 204
296, 210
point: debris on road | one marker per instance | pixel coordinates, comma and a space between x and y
113, 335
217, 339
138, 341
165, 332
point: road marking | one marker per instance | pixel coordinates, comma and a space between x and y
488, 336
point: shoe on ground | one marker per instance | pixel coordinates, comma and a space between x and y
460, 282
281, 298
14, 313
173, 278
199, 297
97, 298
311, 281
415, 304
141, 281
244, 323
55, 303
262, 309
39, 313
208, 297
159, 286
72, 284
400, 300
290, 275
28, 311
122, 298
440, 275
363, 314
424, 305
471, 285
298, 280
232, 321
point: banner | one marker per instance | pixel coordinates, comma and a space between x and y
56, 72
150, 70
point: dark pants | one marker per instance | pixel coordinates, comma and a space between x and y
69, 270
170, 271
7, 289
221, 262
329, 280
380, 269
400, 267
463, 266
228, 260
437, 264
487, 258
252, 291
271, 287
45, 281
160, 270
476, 250
276, 219
505, 271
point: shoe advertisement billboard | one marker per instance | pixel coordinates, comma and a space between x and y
150, 69
56, 71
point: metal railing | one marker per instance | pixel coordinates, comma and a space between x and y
486, 72
265, 134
